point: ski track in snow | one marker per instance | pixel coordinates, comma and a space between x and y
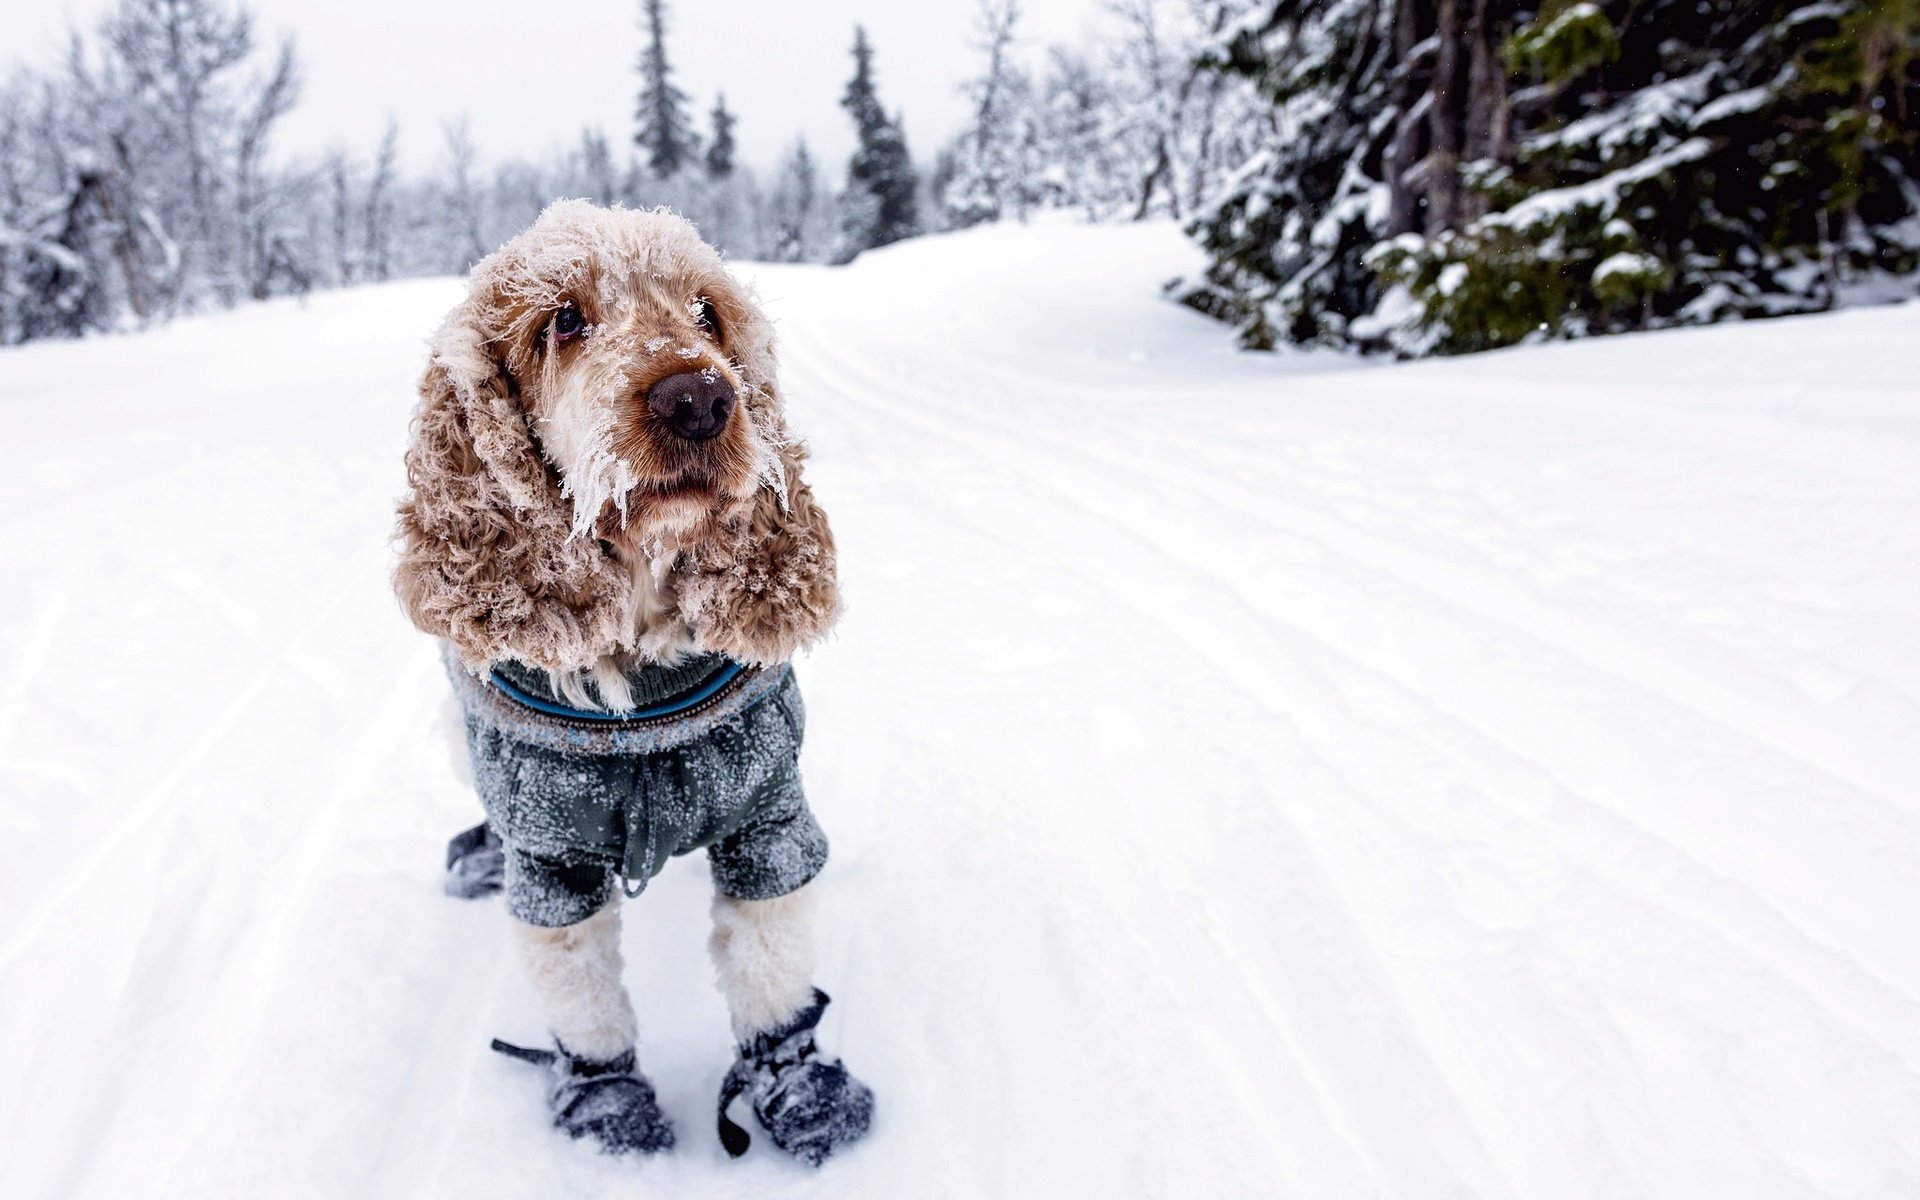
1247, 775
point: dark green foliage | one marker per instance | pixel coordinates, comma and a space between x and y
1623, 164
1566, 41
1866, 65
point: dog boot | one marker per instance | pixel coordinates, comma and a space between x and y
609, 1101
809, 1104
476, 863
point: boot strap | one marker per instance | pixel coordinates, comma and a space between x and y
541, 1057
765, 1049
732, 1136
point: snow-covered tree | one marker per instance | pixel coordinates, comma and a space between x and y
665, 131
799, 211
595, 176
378, 218
1288, 236
464, 194
1129, 126
1078, 164
720, 147
881, 201
1450, 175
995, 161
261, 201
142, 167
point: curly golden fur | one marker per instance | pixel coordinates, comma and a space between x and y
550, 518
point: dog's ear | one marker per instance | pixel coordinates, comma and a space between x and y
765, 585
485, 557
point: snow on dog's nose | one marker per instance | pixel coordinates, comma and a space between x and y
694, 404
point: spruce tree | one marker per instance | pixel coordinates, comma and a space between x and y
1288, 239
1452, 175
881, 202
795, 208
664, 130
720, 149
1679, 162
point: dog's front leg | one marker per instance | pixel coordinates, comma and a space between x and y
763, 952
809, 1104
598, 1090
576, 971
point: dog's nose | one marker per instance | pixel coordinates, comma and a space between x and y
694, 405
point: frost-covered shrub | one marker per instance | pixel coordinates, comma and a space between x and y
1476, 291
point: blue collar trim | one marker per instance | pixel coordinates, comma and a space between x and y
665, 708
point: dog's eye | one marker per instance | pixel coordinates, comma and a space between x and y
704, 316
568, 324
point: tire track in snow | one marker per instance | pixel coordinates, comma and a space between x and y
1887, 832
1889, 1002
1598, 648
154, 799
1315, 1027
34, 653
260, 950
1908, 827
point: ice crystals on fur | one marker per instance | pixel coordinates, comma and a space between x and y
591, 474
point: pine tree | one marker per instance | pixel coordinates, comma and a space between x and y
720, 149
881, 202
796, 209
596, 173
665, 131
1678, 163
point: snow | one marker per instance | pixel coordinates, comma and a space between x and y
1639, 118
1732, 104
1543, 208
1247, 775
1398, 309
1626, 263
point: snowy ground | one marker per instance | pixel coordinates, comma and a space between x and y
1247, 776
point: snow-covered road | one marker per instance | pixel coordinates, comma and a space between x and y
1246, 776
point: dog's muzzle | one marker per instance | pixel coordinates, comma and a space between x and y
694, 405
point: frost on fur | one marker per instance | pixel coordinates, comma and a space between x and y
595, 476
520, 457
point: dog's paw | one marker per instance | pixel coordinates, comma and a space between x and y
476, 863
612, 1103
809, 1104
814, 1108
608, 1100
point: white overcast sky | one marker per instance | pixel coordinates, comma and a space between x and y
530, 76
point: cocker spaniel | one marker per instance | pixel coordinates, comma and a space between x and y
608, 527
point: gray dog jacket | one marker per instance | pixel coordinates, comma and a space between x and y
586, 801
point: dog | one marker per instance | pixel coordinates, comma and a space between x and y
607, 526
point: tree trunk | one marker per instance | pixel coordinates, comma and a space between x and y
1443, 122
1489, 117
1403, 151
1162, 162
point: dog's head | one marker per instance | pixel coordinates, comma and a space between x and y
606, 378
643, 366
